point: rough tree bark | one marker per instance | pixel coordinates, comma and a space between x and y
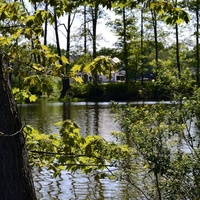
15, 175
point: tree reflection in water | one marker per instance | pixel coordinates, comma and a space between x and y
92, 118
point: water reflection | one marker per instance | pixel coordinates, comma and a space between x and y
76, 186
92, 118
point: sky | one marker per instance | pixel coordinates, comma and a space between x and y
108, 38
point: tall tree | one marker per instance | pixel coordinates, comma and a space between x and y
197, 42
175, 2
45, 25
16, 178
142, 40
154, 22
57, 36
94, 16
194, 7
68, 9
85, 28
177, 51
127, 31
65, 80
125, 48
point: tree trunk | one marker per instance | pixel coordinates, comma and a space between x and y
178, 65
85, 30
94, 29
142, 42
94, 38
57, 36
68, 36
125, 43
197, 43
154, 20
45, 25
65, 86
65, 80
15, 175
177, 52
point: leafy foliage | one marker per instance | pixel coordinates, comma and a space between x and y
69, 150
23, 52
166, 139
100, 65
158, 152
23, 95
158, 142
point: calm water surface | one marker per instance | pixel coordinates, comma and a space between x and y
92, 118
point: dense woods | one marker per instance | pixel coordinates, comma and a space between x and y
157, 46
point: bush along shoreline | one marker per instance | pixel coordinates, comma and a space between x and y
132, 91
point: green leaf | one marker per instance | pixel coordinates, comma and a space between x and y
45, 48
37, 67
64, 60
78, 79
15, 90
179, 21
33, 98
76, 68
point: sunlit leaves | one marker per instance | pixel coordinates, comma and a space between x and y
179, 17
43, 143
78, 79
32, 98
101, 65
32, 79
37, 85
37, 67
165, 138
64, 60
72, 151
22, 47
5, 40
22, 96
173, 13
18, 21
10, 11
76, 68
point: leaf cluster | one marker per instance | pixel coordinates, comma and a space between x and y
165, 139
158, 149
70, 151
100, 65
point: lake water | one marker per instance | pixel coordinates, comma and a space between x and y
92, 118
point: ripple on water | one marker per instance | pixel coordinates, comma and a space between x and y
74, 186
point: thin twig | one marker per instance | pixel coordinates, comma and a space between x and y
7, 135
